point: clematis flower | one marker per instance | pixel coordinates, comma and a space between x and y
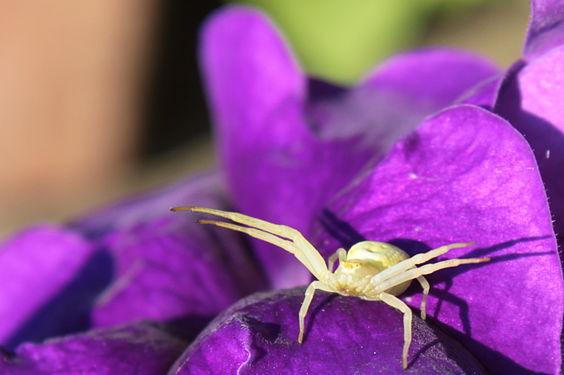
324, 152
393, 159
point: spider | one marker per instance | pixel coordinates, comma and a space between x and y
370, 270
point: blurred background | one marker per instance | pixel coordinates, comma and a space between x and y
102, 98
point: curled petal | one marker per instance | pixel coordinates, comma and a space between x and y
344, 335
428, 80
467, 175
531, 99
546, 29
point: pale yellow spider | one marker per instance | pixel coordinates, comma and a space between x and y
371, 270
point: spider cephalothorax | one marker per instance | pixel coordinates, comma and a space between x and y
371, 270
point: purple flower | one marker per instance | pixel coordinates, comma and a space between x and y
393, 159
463, 174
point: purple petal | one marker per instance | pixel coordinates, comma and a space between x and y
398, 94
173, 269
136, 349
546, 29
531, 99
344, 335
467, 175
484, 94
206, 187
287, 144
256, 90
44, 271
167, 266
428, 80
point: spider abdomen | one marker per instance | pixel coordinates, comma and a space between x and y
364, 260
380, 255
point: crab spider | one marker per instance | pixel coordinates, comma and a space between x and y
371, 270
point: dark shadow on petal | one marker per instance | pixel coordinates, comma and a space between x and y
261, 332
411, 247
442, 295
422, 351
326, 298
314, 310
487, 355
6, 354
445, 276
348, 236
187, 328
318, 89
485, 251
69, 311
249, 282
339, 229
267, 331
322, 98
450, 273
488, 252
543, 137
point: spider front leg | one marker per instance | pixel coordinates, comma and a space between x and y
310, 291
407, 319
282, 236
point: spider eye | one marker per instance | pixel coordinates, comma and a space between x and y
350, 265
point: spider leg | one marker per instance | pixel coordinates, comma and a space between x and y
340, 254
424, 257
407, 319
300, 246
410, 263
265, 236
284, 244
424, 270
425, 285
312, 287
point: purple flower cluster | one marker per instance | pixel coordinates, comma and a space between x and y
434, 146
